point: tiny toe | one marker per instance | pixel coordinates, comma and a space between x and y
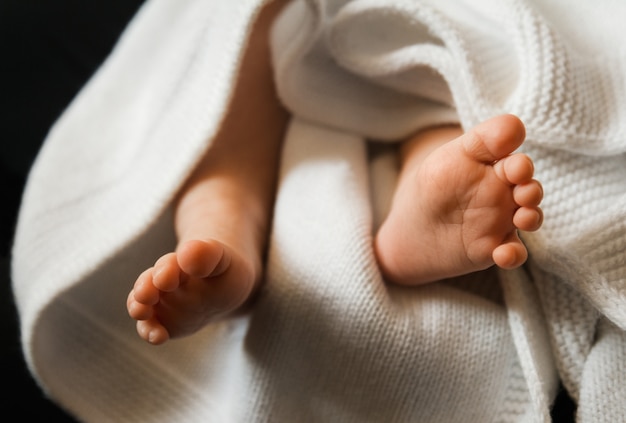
510, 255
515, 169
528, 218
166, 275
519, 168
152, 331
144, 290
137, 310
529, 194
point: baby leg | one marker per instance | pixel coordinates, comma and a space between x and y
223, 212
459, 203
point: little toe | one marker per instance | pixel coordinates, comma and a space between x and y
528, 218
529, 194
152, 331
137, 310
510, 254
166, 274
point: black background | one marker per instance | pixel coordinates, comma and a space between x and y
49, 48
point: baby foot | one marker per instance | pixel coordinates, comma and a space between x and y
457, 209
185, 290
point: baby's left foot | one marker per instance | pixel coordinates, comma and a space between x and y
458, 205
203, 281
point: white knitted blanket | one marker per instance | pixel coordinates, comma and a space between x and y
328, 340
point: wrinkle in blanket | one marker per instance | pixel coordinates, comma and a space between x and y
329, 340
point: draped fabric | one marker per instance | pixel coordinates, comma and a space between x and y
328, 339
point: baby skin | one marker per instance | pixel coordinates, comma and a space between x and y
458, 206
459, 203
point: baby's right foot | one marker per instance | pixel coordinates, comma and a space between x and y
459, 203
185, 290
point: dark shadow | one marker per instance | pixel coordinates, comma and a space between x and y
49, 48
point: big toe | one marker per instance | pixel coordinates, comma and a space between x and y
202, 258
494, 138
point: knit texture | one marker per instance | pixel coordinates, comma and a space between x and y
328, 340
384, 58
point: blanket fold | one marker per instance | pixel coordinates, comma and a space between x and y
483, 59
328, 340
